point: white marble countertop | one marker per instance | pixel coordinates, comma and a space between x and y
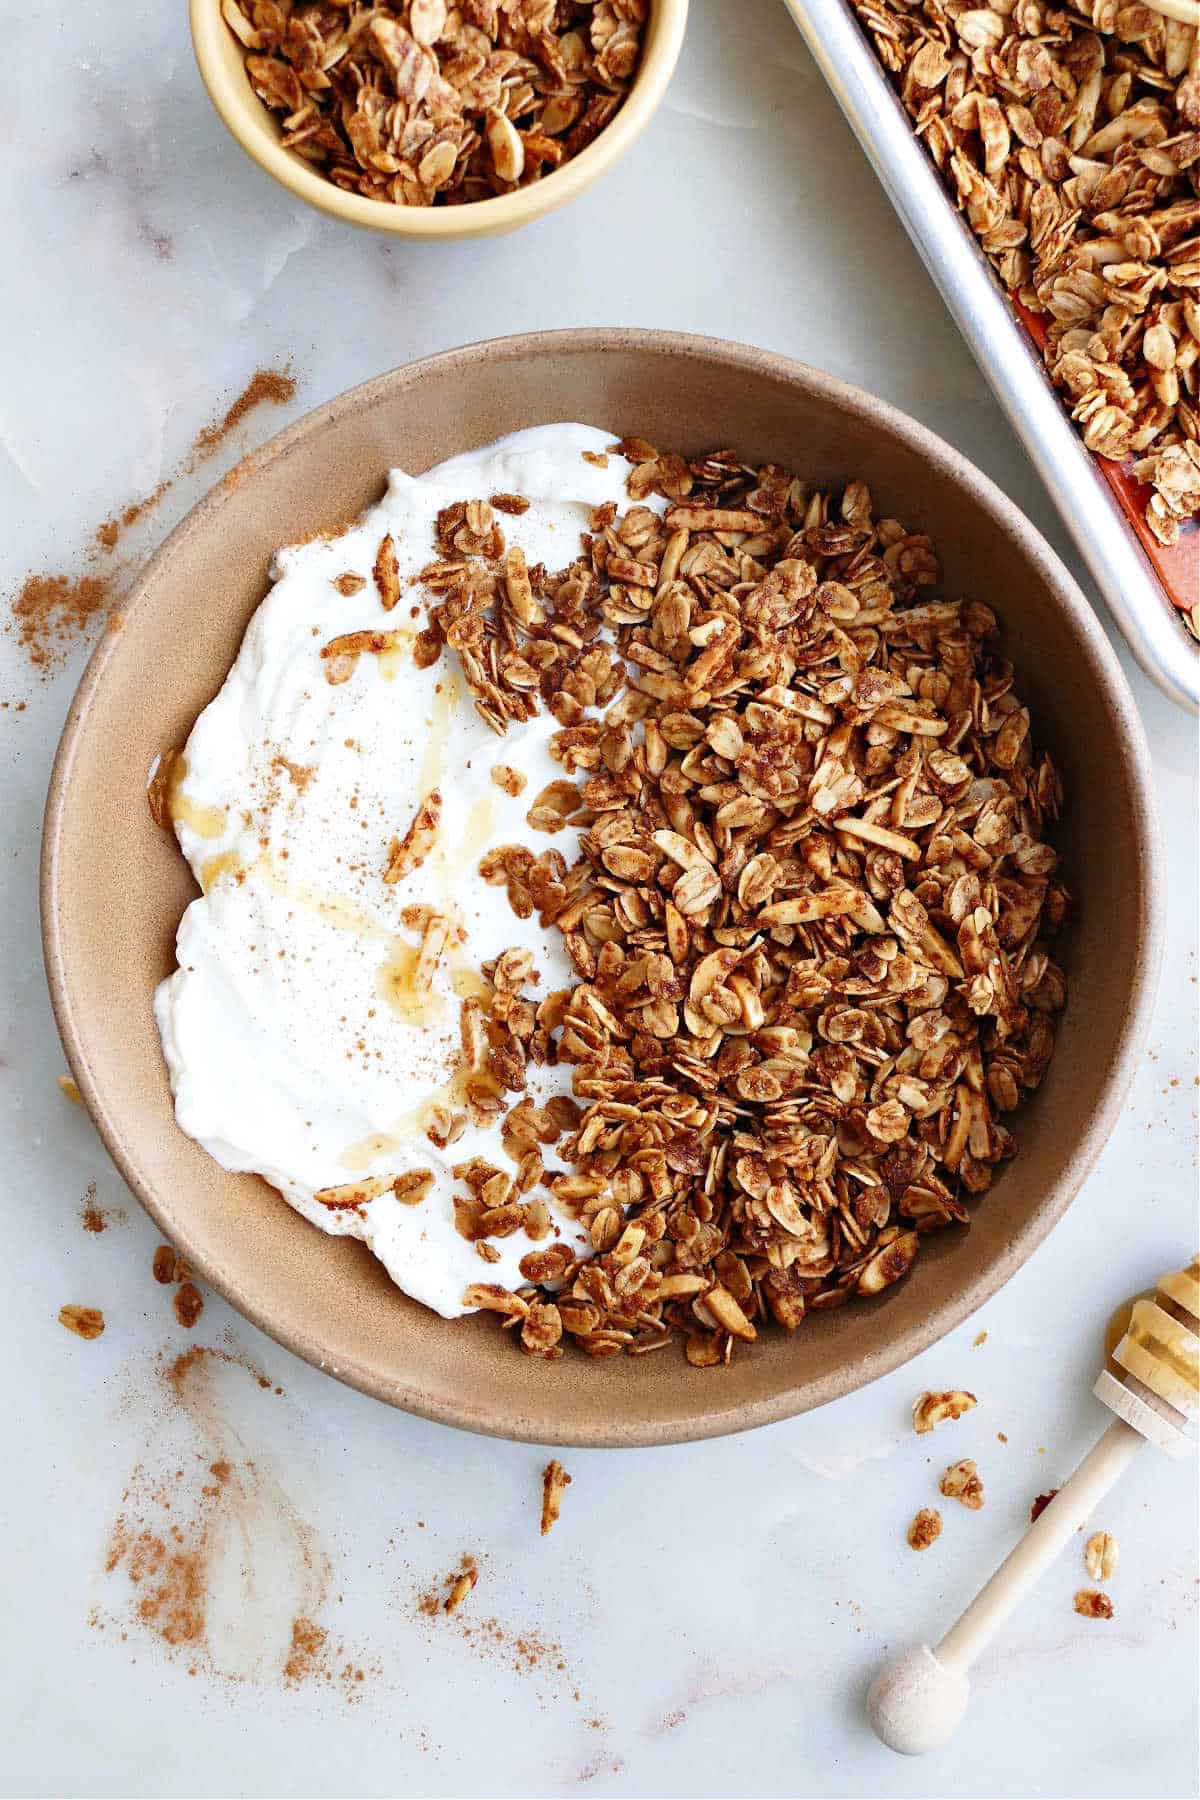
707, 1615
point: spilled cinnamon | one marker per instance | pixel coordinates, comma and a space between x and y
274, 386
51, 614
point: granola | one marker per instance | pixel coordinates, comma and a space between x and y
1091, 1604
925, 1529
1100, 1555
424, 103
85, 1321
929, 1410
460, 1586
1069, 137
962, 1481
812, 913
555, 1482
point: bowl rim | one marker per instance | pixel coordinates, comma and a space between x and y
946, 464
503, 212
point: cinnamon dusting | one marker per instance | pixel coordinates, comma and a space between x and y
276, 386
94, 1217
52, 613
108, 535
183, 1531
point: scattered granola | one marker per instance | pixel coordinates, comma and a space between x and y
84, 1321
811, 913
555, 1481
1091, 1604
1039, 1505
925, 1529
1068, 137
929, 1410
1100, 1555
424, 103
170, 1270
461, 1584
166, 1267
189, 1304
67, 1085
962, 1482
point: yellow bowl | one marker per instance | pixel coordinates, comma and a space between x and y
222, 67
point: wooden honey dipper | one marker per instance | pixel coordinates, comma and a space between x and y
917, 1700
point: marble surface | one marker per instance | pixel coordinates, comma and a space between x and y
703, 1619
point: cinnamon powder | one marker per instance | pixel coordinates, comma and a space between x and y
94, 1217
274, 386
166, 1543
108, 535
53, 613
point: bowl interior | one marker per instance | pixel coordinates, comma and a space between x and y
257, 129
115, 885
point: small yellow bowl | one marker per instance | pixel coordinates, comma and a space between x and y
222, 68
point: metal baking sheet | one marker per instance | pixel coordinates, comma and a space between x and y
1118, 563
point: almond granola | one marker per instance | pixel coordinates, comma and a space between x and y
811, 915
425, 103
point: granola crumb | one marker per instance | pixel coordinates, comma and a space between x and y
1100, 1555
555, 1481
84, 1321
510, 781
962, 1482
189, 1304
979, 1340
1090, 1603
163, 1265
930, 1409
1040, 1504
925, 1529
67, 1085
460, 1586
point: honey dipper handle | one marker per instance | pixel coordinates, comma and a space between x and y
1074, 1502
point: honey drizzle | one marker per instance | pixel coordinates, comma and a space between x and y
205, 821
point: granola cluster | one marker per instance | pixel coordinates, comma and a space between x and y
426, 103
810, 919
1070, 137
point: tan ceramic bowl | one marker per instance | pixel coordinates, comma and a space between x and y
114, 885
222, 68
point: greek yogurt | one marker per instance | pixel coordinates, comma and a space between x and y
297, 1046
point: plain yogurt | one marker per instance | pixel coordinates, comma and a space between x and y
295, 1047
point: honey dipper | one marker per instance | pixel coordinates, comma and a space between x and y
1152, 1384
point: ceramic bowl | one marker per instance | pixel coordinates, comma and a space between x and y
221, 61
114, 884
